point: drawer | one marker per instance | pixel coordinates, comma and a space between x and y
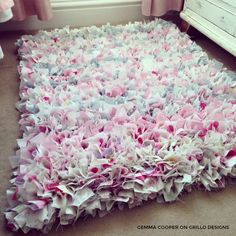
217, 12
230, 2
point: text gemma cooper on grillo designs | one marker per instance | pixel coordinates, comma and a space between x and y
183, 227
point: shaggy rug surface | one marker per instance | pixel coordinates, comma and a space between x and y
115, 116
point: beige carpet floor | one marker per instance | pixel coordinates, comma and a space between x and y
196, 209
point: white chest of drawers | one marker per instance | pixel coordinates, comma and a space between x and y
214, 18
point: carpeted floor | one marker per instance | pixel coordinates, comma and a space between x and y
197, 208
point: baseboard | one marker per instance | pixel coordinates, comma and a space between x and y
82, 13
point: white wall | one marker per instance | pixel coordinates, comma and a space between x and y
83, 13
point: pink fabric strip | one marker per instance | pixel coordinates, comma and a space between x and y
25, 8
160, 7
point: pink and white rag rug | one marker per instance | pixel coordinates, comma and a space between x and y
115, 116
